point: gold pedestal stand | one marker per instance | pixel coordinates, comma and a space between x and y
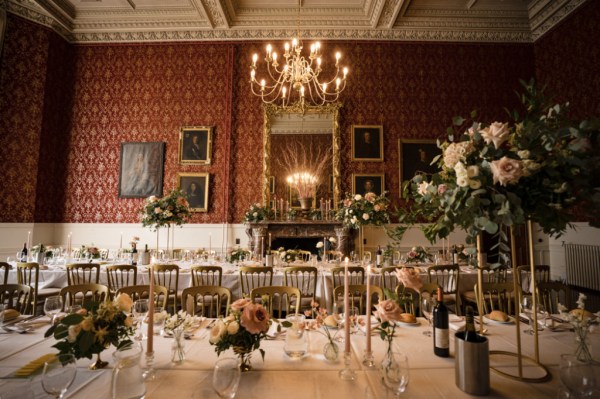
535, 361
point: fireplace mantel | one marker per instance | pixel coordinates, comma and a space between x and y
259, 232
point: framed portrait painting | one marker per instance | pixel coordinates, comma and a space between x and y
365, 183
272, 184
195, 186
416, 157
195, 145
141, 169
367, 143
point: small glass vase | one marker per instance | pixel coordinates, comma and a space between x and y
178, 346
245, 356
98, 364
583, 350
331, 351
394, 369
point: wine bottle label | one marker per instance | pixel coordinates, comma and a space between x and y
442, 338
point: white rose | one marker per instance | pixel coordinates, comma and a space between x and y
472, 171
474, 184
423, 188
320, 244
365, 216
255, 214
357, 197
73, 332
462, 181
124, 302
496, 133
523, 154
217, 332
233, 327
332, 240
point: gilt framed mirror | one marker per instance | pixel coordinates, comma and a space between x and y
301, 139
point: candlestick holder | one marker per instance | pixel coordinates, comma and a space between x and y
368, 359
347, 374
149, 374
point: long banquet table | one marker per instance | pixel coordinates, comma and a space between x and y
310, 377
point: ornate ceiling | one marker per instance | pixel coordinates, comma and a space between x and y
411, 20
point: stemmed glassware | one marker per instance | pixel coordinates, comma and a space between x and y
52, 306
226, 377
58, 375
527, 308
140, 309
427, 311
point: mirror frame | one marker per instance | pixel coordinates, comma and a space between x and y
270, 111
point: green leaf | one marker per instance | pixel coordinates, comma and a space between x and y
458, 120
491, 227
72, 319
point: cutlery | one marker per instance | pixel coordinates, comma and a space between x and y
15, 329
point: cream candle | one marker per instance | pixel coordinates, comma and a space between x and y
269, 240
28, 242
209, 244
121, 241
368, 308
346, 307
150, 347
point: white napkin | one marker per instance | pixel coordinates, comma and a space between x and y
456, 323
540, 322
274, 329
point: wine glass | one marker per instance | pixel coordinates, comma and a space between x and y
395, 372
226, 377
527, 308
59, 374
427, 310
140, 308
542, 316
52, 306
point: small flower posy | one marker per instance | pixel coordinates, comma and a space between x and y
357, 210
256, 213
418, 254
182, 320
583, 323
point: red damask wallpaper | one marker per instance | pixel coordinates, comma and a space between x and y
65, 109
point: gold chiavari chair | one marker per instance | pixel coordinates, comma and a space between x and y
253, 277
551, 293
161, 294
542, 275
81, 294
167, 276
278, 299
28, 274
16, 296
356, 275
206, 300
496, 296
304, 255
358, 296
489, 275
407, 297
83, 273
206, 275
447, 277
427, 290
305, 279
389, 281
5, 269
119, 276
76, 253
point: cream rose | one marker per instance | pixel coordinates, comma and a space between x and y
506, 170
233, 328
357, 197
472, 171
496, 133
73, 332
377, 208
157, 210
523, 154
240, 304
217, 332
124, 302
474, 184
365, 216
87, 324
462, 181
410, 278
423, 188
128, 321
255, 319
388, 310
370, 197
152, 198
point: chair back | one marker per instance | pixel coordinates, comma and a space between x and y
253, 277
83, 273
167, 276
542, 275
81, 294
358, 296
119, 276
305, 279
206, 300
280, 301
496, 296
161, 294
176, 253
304, 255
407, 297
447, 277
356, 275
551, 293
5, 269
206, 275
28, 274
103, 254
16, 296
427, 290
76, 253
389, 281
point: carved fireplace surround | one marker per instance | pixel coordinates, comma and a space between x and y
259, 232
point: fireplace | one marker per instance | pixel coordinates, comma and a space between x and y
304, 243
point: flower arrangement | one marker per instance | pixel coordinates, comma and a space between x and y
42, 249
322, 322
238, 255
501, 174
181, 320
388, 313
172, 209
418, 254
289, 255
94, 328
291, 213
357, 210
583, 323
328, 244
90, 252
134, 241
244, 328
256, 213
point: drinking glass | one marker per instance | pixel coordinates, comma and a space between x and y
527, 308
580, 378
353, 317
140, 308
542, 316
226, 377
52, 306
296, 338
59, 374
395, 372
1, 314
427, 310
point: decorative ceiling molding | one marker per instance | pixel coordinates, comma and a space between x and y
211, 20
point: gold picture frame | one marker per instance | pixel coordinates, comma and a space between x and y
368, 182
195, 186
367, 143
415, 156
195, 145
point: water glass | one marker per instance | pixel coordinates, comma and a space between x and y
1, 314
59, 374
226, 377
140, 308
52, 306
527, 308
296, 338
394, 369
580, 378
426, 311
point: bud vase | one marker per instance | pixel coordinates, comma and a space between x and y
583, 350
177, 349
245, 356
331, 351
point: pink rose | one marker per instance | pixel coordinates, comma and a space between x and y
412, 254
370, 197
496, 133
240, 304
442, 188
506, 171
410, 278
388, 310
347, 203
255, 318
377, 208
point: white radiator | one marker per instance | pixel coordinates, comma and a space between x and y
583, 265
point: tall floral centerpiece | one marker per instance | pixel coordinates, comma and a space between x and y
418, 254
583, 322
94, 328
244, 328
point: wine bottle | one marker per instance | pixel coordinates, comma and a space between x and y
470, 331
379, 257
441, 337
134, 254
454, 255
24, 253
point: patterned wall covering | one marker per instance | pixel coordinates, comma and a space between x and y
567, 60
